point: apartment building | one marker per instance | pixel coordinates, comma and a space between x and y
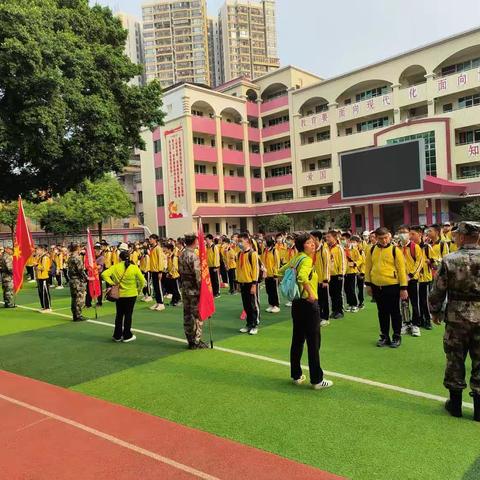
214, 53
248, 38
256, 148
176, 41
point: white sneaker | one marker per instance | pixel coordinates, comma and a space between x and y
131, 339
324, 323
406, 329
323, 384
348, 309
253, 331
354, 310
154, 307
31, 281
269, 309
288, 304
60, 287
160, 307
275, 310
46, 310
169, 296
300, 380
148, 299
416, 331
244, 330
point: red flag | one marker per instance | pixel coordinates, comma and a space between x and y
206, 306
22, 249
92, 268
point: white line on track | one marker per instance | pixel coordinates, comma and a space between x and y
111, 439
351, 378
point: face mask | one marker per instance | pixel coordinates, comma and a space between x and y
353, 245
241, 246
343, 243
289, 244
404, 237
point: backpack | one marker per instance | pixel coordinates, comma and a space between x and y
394, 251
288, 286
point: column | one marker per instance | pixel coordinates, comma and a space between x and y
223, 226
430, 93
407, 213
250, 224
218, 143
246, 156
353, 225
429, 212
371, 220
415, 220
396, 103
332, 114
380, 216
438, 211
262, 150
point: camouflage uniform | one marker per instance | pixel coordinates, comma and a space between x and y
77, 282
458, 281
6, 270
189, 269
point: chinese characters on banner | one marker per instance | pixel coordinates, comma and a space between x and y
474, 150
177, 192
314, 120
460, 80
364, 107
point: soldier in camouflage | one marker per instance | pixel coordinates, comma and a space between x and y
190, 274
458, 282
77, 282
6, 271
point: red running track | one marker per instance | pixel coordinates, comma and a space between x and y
48, 432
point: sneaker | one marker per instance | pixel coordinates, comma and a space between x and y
323, 384
131, 339
354, 310
160, 307
31, 281
324, 323
169, 296
244, 330
338, 316
428, 325
117, 340
416, 331
202, 345
154, 307
253, 331
288, 304
406, 329
300, 380
46, 310
60, 287
383, 341
396, 342
148, 299
348, 309
275, 310
361, 306
269, 309
217, 295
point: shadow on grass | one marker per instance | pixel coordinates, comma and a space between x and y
473, 472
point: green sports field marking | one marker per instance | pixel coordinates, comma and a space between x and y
364, 381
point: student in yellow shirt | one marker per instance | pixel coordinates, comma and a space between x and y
58, 259
30, 266
172, 275
321, 265
413, 255
213, 260
230, 259
281, 248
247, 277
354, 261
42, 273
386, 280
306, 315
439, 247
271, 262
337, 268
157, 269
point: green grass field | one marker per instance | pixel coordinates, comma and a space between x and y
355, 430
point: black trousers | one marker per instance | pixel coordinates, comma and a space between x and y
65, 275
157, 288
414, 297
123, 319
174, 289
272, 291
388, 306
44, 293
424, 289
30, 272
336, 293
306, 326
250, 305
223, 272
215, 281
147, 290
323, 302
350, 289
361, 289
232, 279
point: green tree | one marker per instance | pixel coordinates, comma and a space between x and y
471, 211
67, 112
343, 221
91, 204
320, 220
280, 223
9, 213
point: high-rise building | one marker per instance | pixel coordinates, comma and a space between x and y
248, 38
214, 53
176, 41
134, 45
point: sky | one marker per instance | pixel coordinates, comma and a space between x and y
330, 37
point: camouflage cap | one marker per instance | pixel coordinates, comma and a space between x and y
467, 228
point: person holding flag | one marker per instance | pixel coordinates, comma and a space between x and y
93, 266
195, 276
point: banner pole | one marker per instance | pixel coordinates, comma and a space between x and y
210, 331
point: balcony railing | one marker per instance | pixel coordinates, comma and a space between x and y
283, 180
274, 103
253, 109
276, 130
256, 184
235, 184
255, 160
253, 134
277, 155
233, 157
204, 153
206, 182
204, 125
232, 130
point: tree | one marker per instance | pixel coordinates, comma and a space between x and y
93, 203
320, 220
9, 213
280, 223
471, 211
66, 110
343, 221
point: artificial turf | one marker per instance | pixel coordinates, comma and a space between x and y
354, 430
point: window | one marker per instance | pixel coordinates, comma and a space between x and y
278, 196
322, 136
469, 101
158, 173
197, 113
279, 171
448, 107
140, 197
374, 92
215, 197
198, 141
430, 151
349, 131
206, 228
372, 124
202, 197
157, 146
160, 201
200, 169
468, 171
321, 108
275, 147
277, 121
162, 231
461, 67
470, 136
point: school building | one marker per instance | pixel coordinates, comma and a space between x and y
249, 150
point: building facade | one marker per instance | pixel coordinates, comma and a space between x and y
248, 39
253, 149
176, 41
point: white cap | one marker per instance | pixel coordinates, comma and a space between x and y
366, 232
123, 247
